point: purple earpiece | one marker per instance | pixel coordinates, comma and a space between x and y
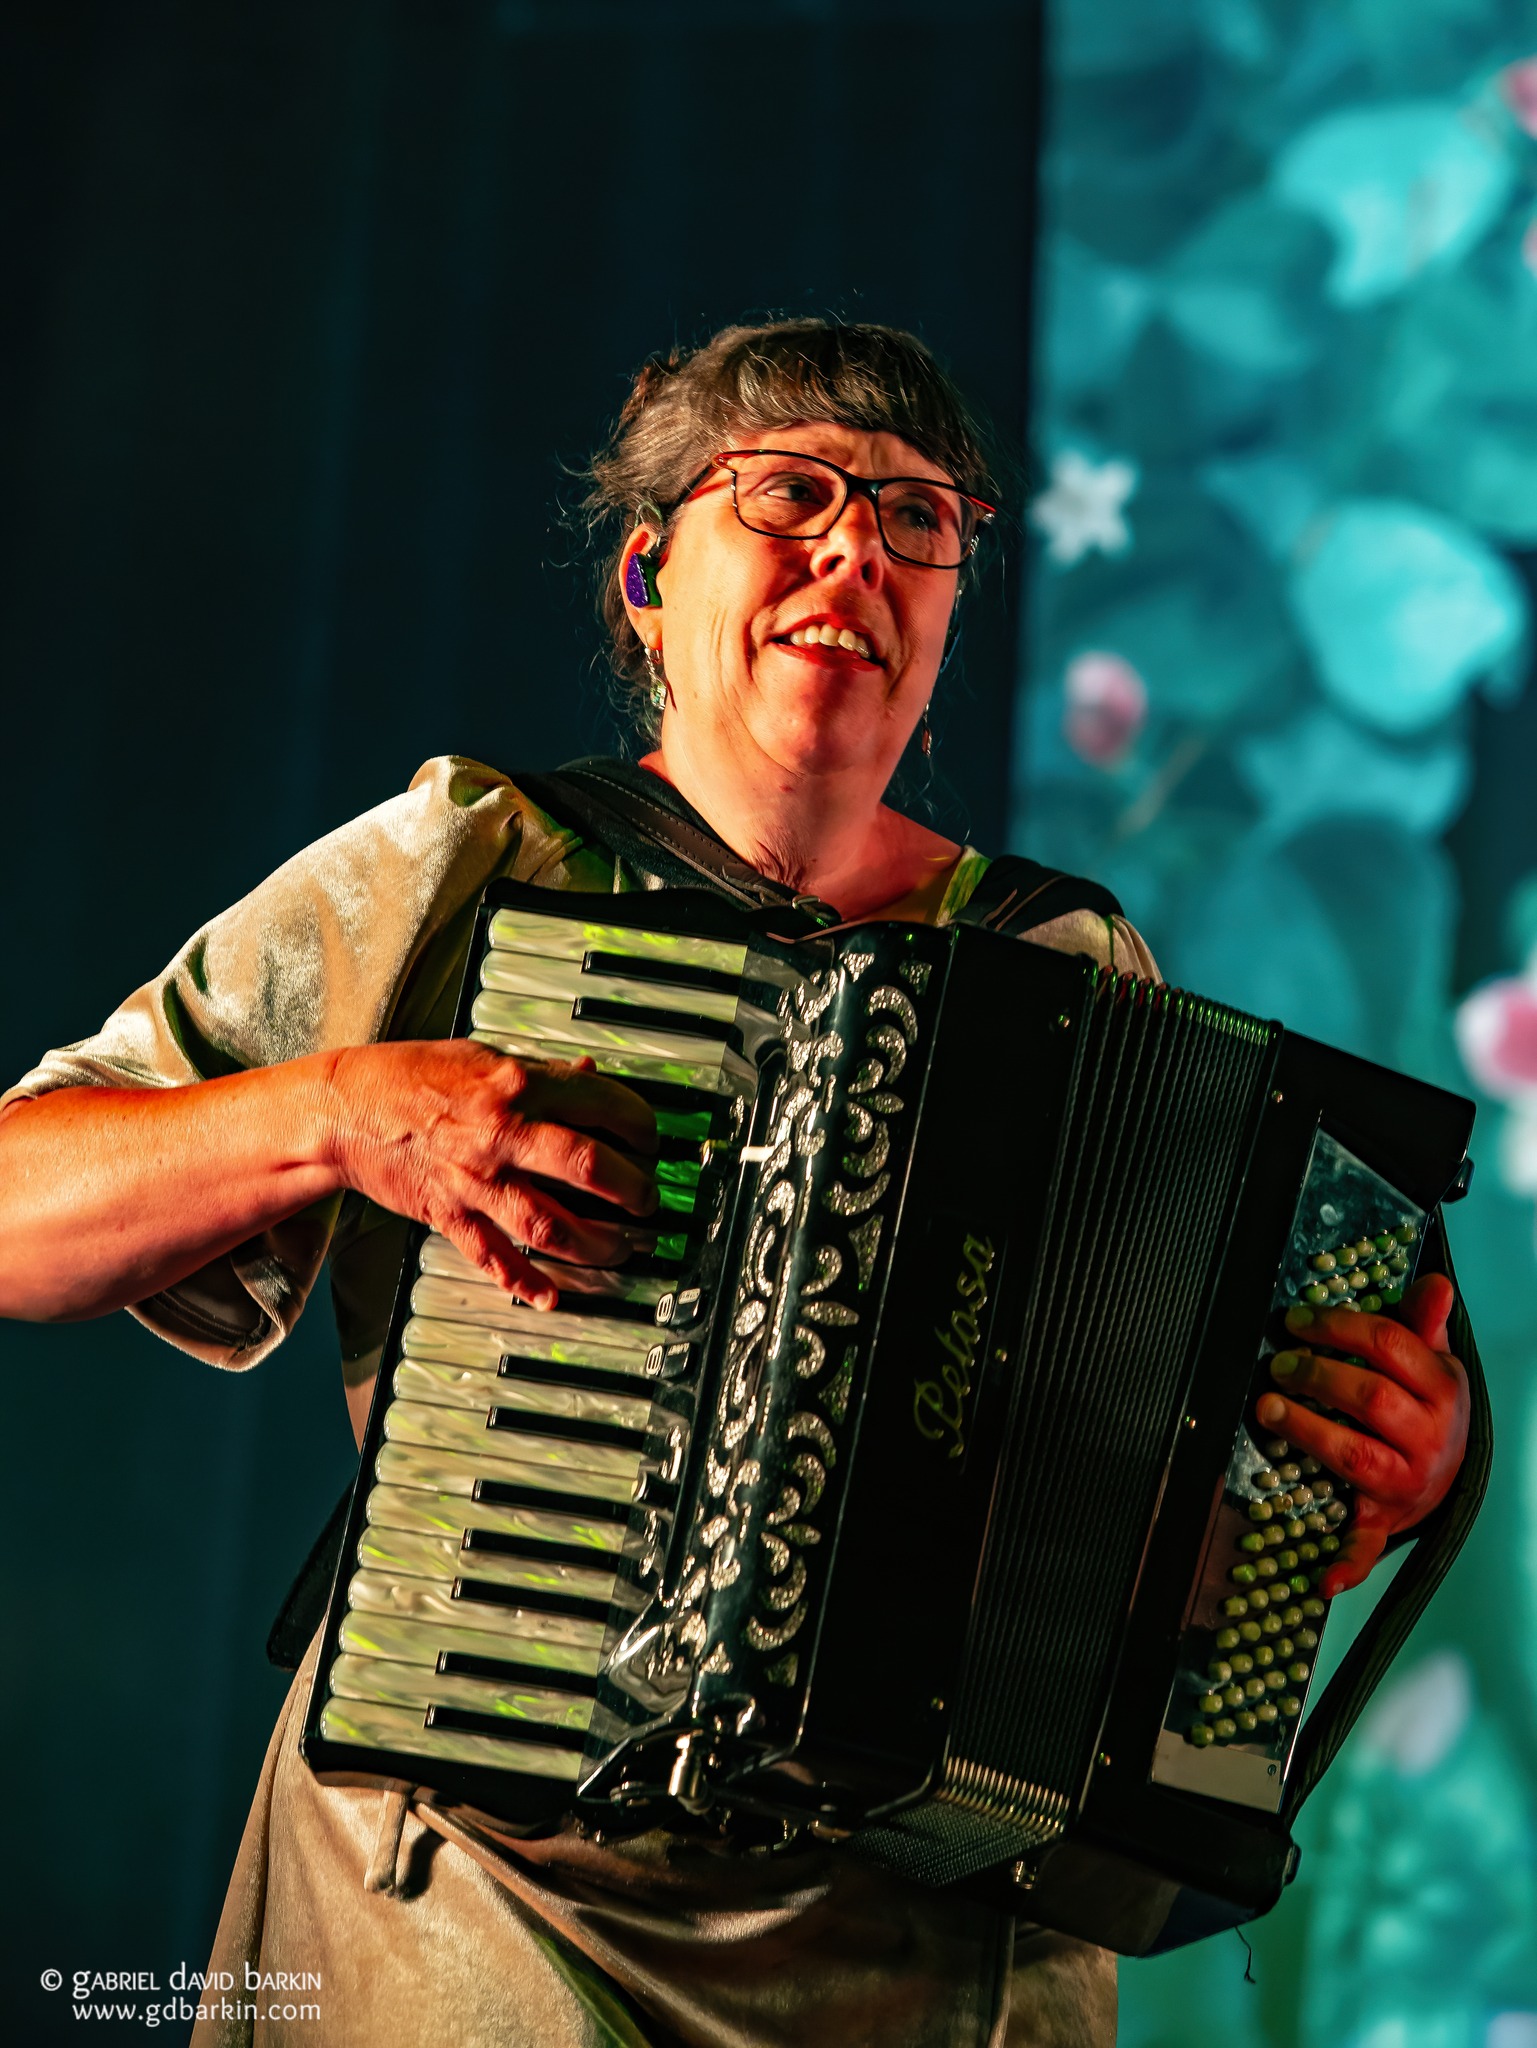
640, 582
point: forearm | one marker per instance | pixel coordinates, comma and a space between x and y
110, 1195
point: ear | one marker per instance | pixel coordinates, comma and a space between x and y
640, 542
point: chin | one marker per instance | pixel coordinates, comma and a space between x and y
812, 749
821, 731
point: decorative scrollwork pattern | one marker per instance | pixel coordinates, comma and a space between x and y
812, 1250
834, 1138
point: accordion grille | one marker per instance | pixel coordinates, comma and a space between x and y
1155, 1142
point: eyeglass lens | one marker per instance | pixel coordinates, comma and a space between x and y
799, 498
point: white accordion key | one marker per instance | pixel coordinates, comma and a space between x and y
373, 1726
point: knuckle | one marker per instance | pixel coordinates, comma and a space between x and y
499, 1134
1310, 1377
493, 1141
1397, 1346
544, 1231
513, 1078
1359, 1460
584, 1159
1376, 1403
474, 1240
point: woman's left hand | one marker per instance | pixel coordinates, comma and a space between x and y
1403, 1384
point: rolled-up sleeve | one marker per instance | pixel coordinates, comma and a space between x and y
352, 938
1115, 944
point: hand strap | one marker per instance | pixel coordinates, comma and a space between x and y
1436, 1543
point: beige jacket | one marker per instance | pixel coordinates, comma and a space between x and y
422, 1931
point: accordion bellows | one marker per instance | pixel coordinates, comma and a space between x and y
909, 1489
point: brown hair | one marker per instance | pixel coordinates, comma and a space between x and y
684, 407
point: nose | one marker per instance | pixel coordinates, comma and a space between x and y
852, 545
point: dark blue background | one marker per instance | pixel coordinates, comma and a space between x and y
308, 309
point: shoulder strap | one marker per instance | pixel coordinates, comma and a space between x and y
652, 829
1016, 895
645, 822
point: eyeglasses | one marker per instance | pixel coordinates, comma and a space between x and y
801, 497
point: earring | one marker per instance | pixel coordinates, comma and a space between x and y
925, 736
658, 692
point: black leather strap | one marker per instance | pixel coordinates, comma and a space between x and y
645, 822
304, 1607
653, 830
1016, 895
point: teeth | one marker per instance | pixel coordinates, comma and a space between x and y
831, 636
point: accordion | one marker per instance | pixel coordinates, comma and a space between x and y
909, 1490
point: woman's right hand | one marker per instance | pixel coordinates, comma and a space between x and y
478, 1144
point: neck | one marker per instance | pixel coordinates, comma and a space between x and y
829, 836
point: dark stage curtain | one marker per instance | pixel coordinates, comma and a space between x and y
309, 309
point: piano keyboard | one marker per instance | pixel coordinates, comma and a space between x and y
514, 1443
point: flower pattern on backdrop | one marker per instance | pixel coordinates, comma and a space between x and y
1084, 508
1106, 707
1497, 1037
1288, 378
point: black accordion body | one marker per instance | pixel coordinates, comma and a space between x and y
910, 1489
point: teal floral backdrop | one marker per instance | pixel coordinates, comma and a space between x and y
1281, 629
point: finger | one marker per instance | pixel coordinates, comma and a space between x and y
1357, 1391
1427, 1308
499, 1259
597, 1283
1361, 1547
536, 1222
574, 1092
1370, 1466
1383, 1342
575, 1158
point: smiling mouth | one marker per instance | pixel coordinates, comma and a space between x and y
843, 639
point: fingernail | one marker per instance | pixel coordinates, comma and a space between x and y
1285, 1363
1299, 1317
1270, 1409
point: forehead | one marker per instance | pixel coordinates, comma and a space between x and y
854, 448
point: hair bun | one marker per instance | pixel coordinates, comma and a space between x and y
650, 379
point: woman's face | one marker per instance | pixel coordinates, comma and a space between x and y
732, 600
